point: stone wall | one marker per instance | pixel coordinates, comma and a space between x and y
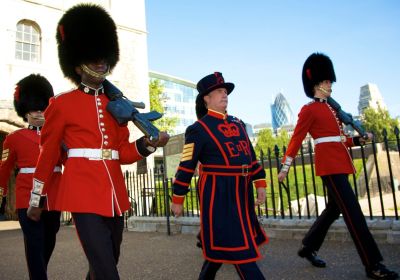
384, 231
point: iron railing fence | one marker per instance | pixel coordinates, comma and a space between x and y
376, 184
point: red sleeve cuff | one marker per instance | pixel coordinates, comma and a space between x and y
178, 199
261, 183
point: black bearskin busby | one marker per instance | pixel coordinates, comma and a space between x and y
207, 85
86, 33
317, 68
32, 93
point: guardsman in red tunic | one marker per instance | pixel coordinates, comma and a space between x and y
21, 152
92, 187
230, 231
333, 163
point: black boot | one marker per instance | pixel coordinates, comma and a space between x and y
311, 256
199, 243
379, 271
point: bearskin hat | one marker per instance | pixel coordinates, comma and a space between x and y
32, 93
317, 68
207, 85
86, 33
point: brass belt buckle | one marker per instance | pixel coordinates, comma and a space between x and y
245, 170
106, 154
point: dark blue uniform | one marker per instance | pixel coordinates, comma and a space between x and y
230, 231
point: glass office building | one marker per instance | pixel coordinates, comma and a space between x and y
370, 97
281, 113
179, 100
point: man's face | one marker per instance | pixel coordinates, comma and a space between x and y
217, 100
35, 118
323, 89
99, 67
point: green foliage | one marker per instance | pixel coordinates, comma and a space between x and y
156, 103
377, 120
299, 186
266, 139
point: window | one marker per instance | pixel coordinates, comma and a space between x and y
27, 42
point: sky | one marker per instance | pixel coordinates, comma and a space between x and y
261, 46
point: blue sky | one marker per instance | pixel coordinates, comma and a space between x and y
261, 45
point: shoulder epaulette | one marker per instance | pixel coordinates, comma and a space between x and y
16, 131
63, 93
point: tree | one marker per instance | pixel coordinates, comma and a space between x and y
265, 140
156, 103
376, 120
282, 139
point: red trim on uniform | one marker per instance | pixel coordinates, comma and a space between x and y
216, 114
252, 233
239, 272
222, 166
185, 169
224, 173
246, 242
345, 212
216, 141
257, 170
201, 183
210, 213
233, 261
247, 139
260, 183
178, 199
181, 183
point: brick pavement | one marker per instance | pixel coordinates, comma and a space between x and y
158, 256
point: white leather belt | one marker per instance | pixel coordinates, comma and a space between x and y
330, 139
29, 170
94, 153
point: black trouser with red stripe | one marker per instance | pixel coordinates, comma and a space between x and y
39, 240
101, 239
246, 271
341, 199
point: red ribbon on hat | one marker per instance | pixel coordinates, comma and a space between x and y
220, 80
16, 93
308, 72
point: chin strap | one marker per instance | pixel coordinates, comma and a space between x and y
92, 73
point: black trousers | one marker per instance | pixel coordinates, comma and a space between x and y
101, 239
246, 271
39, 240
341, 199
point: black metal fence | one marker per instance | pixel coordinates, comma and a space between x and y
376, 184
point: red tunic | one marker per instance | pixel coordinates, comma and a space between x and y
80, 120
320, 120
21, 150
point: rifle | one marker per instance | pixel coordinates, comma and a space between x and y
347, 118
124, 110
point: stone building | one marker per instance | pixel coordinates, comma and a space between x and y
28, 45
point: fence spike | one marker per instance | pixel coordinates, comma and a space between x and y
276, 150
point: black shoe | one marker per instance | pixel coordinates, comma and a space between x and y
311, 256
379, 271
199, 243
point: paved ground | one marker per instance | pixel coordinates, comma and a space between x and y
158, 256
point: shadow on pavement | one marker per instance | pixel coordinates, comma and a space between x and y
158, 256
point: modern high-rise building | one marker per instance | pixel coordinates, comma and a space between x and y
281, 113
179, 100
370, 97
